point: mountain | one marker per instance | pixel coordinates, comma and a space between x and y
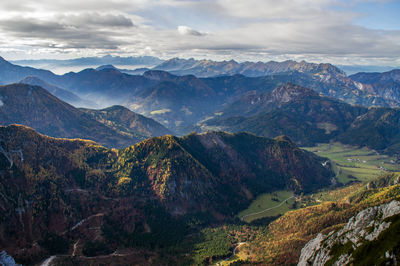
378, 129
255, 102
10, 73
43, 187
104, 84
209, 68
107, 59
178, 102
74, 196
34, 106
87, 84
60, 93
353, 69
220, 169
295, 111
105, 67
67, 65
385, 85
357, 211
137, 71
367, 238
123, 120
324, 78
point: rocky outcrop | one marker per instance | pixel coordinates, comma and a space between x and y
338, 247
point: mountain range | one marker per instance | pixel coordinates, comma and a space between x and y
181, 101
60, 93
57, 195
63, 66
36, 107
309, 118
83, 186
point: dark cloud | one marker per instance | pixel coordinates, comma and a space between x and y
96, 19
62, 35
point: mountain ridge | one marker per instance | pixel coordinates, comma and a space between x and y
72, 192
36, 107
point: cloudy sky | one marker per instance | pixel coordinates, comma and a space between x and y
337, 31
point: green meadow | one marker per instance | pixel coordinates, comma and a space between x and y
268, 205
354, 163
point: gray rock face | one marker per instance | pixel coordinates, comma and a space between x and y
365, 226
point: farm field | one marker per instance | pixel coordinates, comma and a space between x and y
355, 164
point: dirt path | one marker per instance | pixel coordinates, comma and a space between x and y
233, 253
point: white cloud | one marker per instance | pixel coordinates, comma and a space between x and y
254, 29
185, 30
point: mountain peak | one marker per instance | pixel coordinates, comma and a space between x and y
291, 91
157, 75
3, 61
109, 66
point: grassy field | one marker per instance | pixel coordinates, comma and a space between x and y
350, 164
354, 163
260, 207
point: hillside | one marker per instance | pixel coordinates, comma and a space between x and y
378, 129
327, 215
385, 84
370, 237
55, 190
10, 73
256, 102
126, 122
60, 93
35, 107
230, 169
300, 113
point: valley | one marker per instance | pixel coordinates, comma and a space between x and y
354, 164
243, 164
268, 205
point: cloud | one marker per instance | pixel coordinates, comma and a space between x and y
96, 19
245, 30
57, 34
185, 30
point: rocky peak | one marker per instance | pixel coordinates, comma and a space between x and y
158, 75
290, 91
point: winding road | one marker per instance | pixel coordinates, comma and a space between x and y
233, 253
255, 213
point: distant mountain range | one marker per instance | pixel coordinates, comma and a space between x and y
178, 102
385, 85
309, 118
209, 68
67, 65
35, 107
63, 94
